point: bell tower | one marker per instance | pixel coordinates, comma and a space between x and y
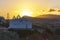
18, 16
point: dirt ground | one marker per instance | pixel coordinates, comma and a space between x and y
28, 36
39, 36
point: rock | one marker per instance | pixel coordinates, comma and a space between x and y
9, 36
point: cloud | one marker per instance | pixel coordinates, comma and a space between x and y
52, 10
58, 10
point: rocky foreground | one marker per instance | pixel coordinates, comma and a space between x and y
9, 35
6, 35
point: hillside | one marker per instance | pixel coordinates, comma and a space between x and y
49, 16
43, 19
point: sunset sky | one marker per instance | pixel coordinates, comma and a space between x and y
15, 7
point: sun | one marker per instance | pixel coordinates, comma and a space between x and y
26, 13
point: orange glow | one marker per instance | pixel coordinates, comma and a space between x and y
31, 8
26, 13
